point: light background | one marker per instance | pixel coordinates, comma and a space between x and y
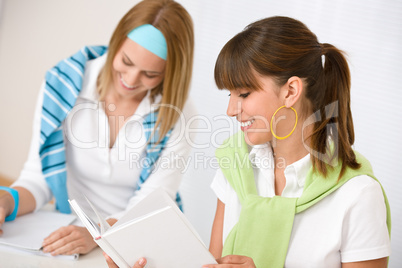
34, 35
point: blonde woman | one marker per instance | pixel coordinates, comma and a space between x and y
106, 118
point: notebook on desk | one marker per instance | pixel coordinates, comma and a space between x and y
26, 233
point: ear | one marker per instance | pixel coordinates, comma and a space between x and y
293, 90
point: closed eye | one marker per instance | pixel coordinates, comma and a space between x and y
151, 75
127, 62
244, 95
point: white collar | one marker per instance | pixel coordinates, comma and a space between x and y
261, 156
300, 168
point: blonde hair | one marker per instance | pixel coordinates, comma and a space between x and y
177, 27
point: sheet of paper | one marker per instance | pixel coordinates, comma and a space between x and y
4, 248
28, 231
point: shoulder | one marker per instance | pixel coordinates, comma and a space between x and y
359, 195
361, 184
365, 223
90, 78
360, 190
364, 203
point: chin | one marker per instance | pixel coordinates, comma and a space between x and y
253, 138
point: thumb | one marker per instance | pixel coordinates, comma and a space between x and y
140, 263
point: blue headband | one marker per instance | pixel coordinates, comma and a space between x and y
151, 39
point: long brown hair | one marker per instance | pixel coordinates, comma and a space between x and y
177, 27
282, 47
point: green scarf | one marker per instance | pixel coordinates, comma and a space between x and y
265, 224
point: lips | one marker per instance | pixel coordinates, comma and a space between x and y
246, 124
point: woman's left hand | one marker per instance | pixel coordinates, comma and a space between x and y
235, 261
69, 240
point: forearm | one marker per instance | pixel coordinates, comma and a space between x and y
6, 204
377, 263
27, 201
215, 246
26, 204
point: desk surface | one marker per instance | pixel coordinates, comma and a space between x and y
14, 259
11, 258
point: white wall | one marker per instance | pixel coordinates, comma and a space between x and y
1, 8
34, 35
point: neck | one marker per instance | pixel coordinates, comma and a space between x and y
291, 149
113, 97
286, 152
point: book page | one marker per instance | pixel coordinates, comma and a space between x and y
156, 200
161, 237
91, 226
104, 225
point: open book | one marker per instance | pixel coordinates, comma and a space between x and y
155, 228
26, 233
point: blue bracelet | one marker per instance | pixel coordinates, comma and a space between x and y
16, 197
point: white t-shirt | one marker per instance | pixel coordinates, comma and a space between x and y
107, 176
348, 225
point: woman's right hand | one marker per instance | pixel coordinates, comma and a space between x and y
139, 264
233, 261
6, 208
27, 204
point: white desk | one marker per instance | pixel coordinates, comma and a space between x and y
11, 258
14, 260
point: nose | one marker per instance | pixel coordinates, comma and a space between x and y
132, 77
234, 106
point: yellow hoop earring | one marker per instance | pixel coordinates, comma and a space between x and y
272, 119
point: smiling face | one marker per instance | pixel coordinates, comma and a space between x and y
136, 70
254, 110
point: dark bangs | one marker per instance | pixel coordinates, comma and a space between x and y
233, 68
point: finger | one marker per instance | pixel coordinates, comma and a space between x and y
233, 259
66, 241
55, 246
79, 240
57, 235
109, 261
140, 263
68, 249
2, 216
220, 266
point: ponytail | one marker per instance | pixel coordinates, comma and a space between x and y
334, 84
282, 47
